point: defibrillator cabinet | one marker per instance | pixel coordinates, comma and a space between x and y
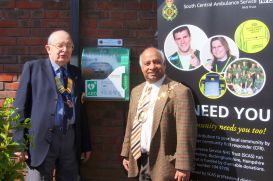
106, 73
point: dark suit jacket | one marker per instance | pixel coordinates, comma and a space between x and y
36, 99
174, 131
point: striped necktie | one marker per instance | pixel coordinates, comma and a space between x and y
63, 76
68, 111
141, 116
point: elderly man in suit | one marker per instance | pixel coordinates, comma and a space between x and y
49, 94
160, 137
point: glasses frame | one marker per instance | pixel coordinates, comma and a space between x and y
61, 47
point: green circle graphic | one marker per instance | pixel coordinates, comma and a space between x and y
252, 36
212, 85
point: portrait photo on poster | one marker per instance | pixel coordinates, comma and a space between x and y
182, 47
218, 52
245, 77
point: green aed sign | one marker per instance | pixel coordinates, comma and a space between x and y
91, 88
106, 73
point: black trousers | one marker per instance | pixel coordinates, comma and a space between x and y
61, 157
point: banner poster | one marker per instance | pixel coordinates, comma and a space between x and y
222, 50
106, 73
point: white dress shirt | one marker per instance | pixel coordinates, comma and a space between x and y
185, 61
146, 129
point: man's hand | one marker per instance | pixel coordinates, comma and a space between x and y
195, 62
125, 163
85, 156
21, 155
182, 175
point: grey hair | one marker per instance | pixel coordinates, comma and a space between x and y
158, 51
51, 36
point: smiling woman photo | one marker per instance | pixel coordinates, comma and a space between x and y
222, 57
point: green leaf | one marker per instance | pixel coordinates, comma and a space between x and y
10, 168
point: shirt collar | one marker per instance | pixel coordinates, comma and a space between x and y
156, 84
56, 67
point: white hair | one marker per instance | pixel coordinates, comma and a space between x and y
159, 51
51, 37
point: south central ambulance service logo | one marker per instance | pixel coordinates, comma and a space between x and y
169, 11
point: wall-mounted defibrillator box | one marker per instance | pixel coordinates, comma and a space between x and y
106, 73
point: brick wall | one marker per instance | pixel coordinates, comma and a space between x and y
24, 27
135, 22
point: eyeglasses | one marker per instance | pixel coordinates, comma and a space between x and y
62, 46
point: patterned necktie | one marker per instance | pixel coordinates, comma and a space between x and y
63, 76
141, 117
68, 111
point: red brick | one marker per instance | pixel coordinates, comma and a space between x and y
7, 4
145, 33
37, 50
137, 24
39, 13
88, 41
95, 15
65, 14
151, 6
31, 41
25, 4
97, 34
1, 86
117, 5
6, 77
17, 14
52, 14
5, 41
57, 14
14, 32
12, 68
104, 6
132, 42
41, 32
57, 23
23, 23
33, 23
7, 94
8, 23
58, 5
24, 58
124, 15
2, 102
1, 68
124, 33
89, 23
132, 6
11, 86
147, 15
13, 50
88, 5
16, 77
110, 24
7, 59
